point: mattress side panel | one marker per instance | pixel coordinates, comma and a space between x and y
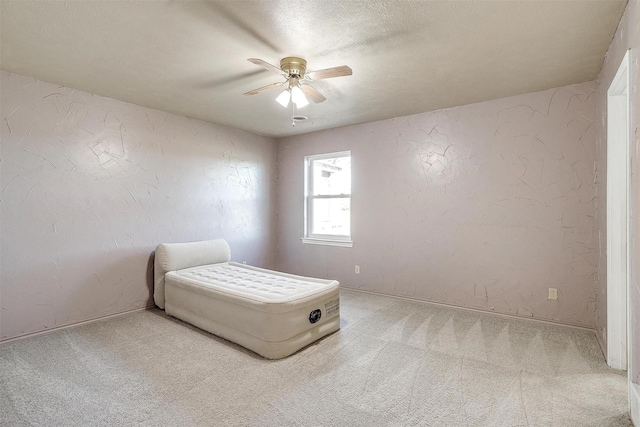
246, 317
267, 349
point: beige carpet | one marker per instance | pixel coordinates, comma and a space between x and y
395, 362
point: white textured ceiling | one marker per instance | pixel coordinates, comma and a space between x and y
190, 58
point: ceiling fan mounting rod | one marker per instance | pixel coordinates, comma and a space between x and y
293, 81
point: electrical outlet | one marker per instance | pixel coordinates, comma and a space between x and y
553, 294
357, 269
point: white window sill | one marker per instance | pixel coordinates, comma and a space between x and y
327, 242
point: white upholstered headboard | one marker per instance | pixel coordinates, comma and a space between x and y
176, 256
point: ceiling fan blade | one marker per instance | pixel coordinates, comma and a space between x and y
260, 89
313, 94
328, 73
266, 65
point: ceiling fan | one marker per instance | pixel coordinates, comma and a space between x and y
294, 70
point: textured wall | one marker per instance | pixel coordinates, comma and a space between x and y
91, 185
485, 205
627, 37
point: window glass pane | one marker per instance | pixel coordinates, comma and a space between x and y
331, 216
331, 176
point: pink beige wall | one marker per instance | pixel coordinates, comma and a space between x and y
91, 185
627, 37
484, 205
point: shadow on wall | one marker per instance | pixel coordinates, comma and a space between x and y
78, 288
116, 287
150, 279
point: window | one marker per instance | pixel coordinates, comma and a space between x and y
328, 199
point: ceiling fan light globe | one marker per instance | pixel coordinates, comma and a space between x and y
302, 103
283, 98
297, 96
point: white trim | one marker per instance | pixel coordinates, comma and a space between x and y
618, 204
346, 153
634, 403
73, 325
309, 237
602, 345
474, 310
327, 242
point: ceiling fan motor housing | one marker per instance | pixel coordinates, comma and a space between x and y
293, 66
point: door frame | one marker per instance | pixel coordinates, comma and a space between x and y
618, 217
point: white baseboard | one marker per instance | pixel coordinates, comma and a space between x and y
72, 325
476, 310
603, 347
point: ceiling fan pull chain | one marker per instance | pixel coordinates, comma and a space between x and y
293, 114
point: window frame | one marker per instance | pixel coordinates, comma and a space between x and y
322, 239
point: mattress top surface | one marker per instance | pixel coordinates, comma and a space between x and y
261, 284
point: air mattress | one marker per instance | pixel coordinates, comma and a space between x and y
271, 313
